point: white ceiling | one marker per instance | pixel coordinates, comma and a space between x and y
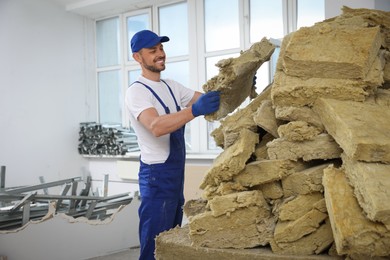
66, 2
101, 8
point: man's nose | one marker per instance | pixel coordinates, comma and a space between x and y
161, 52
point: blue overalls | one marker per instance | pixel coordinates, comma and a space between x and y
161, 187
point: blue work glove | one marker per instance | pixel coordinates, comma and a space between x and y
206, 104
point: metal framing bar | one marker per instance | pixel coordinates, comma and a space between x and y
63, 193
26, 212
18, 205
42, 186
42, 180
2, 178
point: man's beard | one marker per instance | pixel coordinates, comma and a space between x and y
153, 68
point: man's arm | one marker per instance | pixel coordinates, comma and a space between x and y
160, 125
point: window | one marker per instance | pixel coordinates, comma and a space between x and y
110, 97
107, 42
108, 71
310, 12
134, 24
221, 24
266, 19
201, 32
173, 21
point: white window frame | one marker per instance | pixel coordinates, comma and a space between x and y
105, 69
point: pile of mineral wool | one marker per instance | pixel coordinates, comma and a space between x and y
305, 166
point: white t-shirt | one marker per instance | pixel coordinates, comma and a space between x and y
138, 98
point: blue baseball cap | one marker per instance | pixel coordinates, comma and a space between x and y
146, 39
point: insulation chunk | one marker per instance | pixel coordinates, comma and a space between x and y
221, 205
265, 171
314, 243
304, 182
346, 52
244, 228
289, 231
272, 190
305, 113
261, 149
364, 17
265, 118
361, 129
295, 91
235, 78
298, 131
352, 231
371, 182
194, 207
224, 188
299, 206
232, 160
322, 146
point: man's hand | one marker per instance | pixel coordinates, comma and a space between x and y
206, 104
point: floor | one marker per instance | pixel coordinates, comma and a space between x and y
130, 254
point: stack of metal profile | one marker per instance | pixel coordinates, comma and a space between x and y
19, 205
104, 139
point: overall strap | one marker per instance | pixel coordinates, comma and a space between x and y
174, 99
158, 98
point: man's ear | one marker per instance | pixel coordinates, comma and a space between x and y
136, 57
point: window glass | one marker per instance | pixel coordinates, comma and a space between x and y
135, 24
266, 19
262, 77
221, 24
310, 12
107, 42
211, 126
133, 76
274, 61
187, 137
174, 24
110, 97
178, 71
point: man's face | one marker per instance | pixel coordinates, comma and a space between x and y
153, 59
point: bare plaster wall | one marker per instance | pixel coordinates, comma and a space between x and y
46, 88
61, 237
333, 7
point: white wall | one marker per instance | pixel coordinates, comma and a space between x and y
333, 7
46, 88
382, 5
